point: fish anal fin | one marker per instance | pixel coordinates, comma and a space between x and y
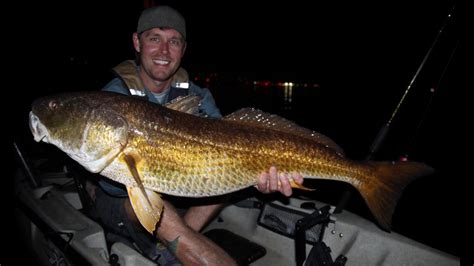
147, 208
258, 118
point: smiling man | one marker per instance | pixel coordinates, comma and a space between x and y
156, 76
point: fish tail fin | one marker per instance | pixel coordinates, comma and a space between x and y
386, 186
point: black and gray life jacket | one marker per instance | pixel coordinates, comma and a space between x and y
127, 72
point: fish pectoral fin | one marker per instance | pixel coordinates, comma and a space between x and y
146, 204
132, 167
147, 207
293, 184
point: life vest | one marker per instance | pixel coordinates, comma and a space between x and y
127, 72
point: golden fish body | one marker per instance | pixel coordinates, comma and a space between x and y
189, 156
181, 154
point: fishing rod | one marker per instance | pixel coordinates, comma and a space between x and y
433, 90
382, 134
385, 128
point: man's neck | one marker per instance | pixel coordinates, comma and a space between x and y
154, 85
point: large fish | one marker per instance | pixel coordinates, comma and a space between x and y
152, 149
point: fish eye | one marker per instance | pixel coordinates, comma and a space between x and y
53, 105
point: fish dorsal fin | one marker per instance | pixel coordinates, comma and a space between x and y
146, 204
187, 104
255, 117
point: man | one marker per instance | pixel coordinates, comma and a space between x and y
160, 43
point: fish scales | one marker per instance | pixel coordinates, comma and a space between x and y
196, 157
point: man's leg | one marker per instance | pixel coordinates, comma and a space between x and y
197, 217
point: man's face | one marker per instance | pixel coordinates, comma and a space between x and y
160, 51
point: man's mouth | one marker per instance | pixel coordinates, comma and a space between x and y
162, 62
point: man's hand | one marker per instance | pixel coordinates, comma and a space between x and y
273, 181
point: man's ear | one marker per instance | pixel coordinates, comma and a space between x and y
184, 48
136, 42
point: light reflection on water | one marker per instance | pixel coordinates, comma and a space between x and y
288, 95
285, 97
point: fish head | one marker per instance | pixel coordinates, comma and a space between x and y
80, 125
59, 119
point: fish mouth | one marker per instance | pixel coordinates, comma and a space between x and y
37, 128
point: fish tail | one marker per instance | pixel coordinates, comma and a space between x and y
386, 186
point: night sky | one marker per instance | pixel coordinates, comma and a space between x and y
362, 55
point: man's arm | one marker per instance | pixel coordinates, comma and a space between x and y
189, 246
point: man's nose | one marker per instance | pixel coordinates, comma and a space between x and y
164, 47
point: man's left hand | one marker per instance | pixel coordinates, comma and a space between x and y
273, 181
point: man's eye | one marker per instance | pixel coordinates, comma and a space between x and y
175, 42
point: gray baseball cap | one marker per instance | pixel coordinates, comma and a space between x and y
161, 17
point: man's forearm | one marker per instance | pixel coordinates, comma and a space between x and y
189, 246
